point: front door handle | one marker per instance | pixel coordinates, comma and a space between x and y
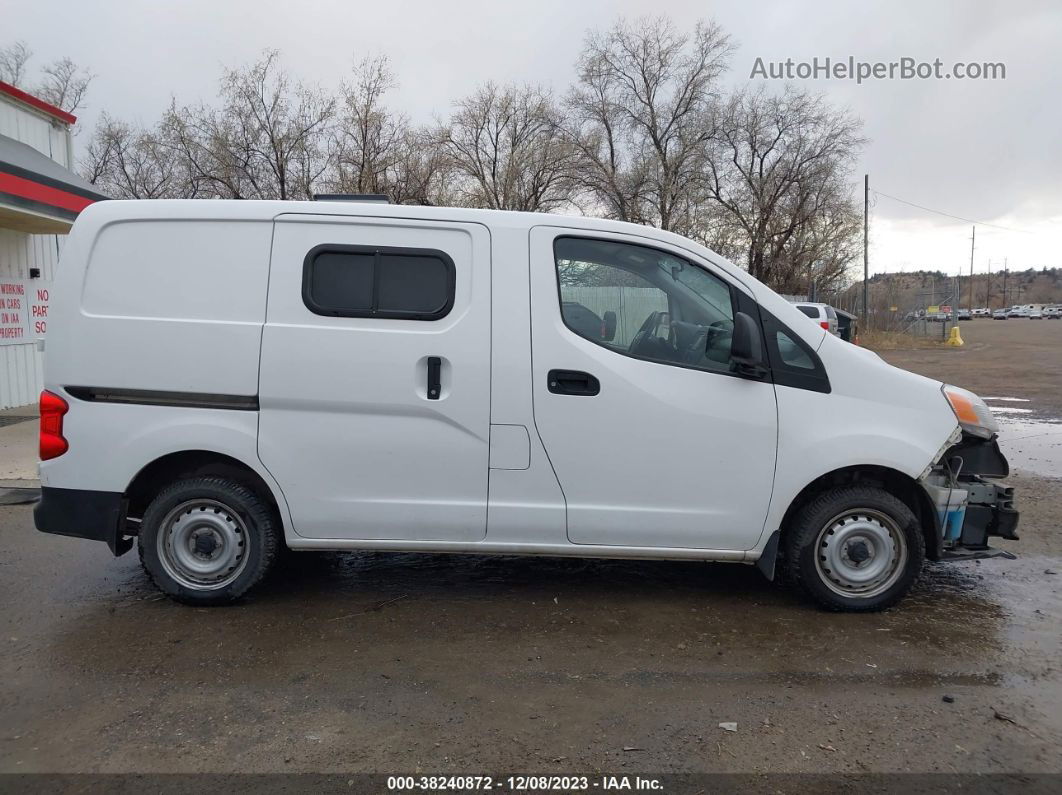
572, 382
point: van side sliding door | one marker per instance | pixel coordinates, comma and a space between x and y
375, 377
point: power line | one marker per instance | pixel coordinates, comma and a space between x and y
949, 215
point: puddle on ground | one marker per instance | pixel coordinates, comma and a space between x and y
1030, 441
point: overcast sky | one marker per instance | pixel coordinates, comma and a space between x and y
989, 150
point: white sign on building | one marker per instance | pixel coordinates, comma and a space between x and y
23, 310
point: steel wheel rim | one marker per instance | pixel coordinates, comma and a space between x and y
203, 544
860, 553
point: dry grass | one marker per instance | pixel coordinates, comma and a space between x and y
896, 340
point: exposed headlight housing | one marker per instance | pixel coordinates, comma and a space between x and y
973, 414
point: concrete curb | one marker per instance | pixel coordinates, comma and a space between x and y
27, 483
19, 496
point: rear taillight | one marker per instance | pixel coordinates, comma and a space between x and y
52, 443
825, 324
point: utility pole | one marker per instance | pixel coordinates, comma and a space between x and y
866, 248
988, 286
973, 237
1004, 282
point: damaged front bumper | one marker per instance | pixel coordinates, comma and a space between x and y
971, 506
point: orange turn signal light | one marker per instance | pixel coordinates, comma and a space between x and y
963, 408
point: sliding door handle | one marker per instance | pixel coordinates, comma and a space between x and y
434, 378
572, 382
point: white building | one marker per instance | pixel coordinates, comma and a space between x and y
40, 197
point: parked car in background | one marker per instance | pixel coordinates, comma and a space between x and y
1016, 311
1053, 312
964, 314
983, 311
1000, 314
823, 314
1035, 314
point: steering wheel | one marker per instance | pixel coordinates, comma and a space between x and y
646, 332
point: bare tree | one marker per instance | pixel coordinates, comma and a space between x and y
13, 59
641, 114
266, 141
368, 136
64, 84
505, 144
778, 167
423, 172
131, 163
820, 247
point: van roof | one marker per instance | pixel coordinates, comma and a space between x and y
254, 209
102, 214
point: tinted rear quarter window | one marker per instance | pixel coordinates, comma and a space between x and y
342, 282
412, 284
394, 283
810, 311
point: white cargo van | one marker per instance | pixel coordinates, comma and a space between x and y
226, 378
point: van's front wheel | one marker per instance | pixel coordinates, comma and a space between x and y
208, 540
855, 548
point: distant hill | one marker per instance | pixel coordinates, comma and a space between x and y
916, 289
1032, 286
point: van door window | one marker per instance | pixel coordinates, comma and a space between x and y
412, 284
362, 281
341, 282
792, 354
793, 362
644, 303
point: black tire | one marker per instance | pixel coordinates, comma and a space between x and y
808, 554
249, 532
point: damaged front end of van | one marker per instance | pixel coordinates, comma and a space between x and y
971, 506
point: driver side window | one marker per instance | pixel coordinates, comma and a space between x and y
644, 303
606, 304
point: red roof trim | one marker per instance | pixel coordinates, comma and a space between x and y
39, 104
44, 194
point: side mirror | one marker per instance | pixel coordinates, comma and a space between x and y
608, 326
746, 347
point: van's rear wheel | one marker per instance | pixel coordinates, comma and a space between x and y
855, 548
208, 540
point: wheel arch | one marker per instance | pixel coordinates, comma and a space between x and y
182, 464
900, 485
